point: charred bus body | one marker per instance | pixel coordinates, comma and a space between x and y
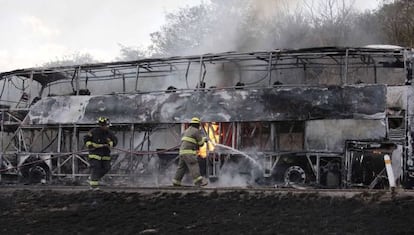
316, 116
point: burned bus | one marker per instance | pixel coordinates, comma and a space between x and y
322, 117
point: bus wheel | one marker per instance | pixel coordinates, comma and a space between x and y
294, 175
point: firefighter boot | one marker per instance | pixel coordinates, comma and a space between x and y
94, 185
176, 183
200, 182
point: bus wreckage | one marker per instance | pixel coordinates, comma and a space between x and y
322, 117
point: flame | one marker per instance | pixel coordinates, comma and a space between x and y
212, 131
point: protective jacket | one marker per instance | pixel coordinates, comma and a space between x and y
191, 141
99, 141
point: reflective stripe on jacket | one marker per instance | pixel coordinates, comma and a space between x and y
187, 152
97, 157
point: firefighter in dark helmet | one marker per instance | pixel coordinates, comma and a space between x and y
99, 141
191, 141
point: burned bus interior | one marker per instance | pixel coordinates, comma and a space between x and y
320, 117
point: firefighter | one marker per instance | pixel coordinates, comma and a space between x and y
99, 140
191, 141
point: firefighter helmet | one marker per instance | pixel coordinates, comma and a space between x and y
195, 120
103, 121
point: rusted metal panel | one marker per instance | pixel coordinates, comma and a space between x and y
265, 104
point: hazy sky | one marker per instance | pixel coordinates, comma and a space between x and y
34, 32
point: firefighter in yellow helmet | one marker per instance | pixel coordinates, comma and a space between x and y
191, 141
99, 141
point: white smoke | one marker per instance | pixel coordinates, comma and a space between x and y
230, 176
240, 173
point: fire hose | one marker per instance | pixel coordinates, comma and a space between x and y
78, 152
39, 161
145, 152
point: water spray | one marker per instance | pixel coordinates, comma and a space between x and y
252, 160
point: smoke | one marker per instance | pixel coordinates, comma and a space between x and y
155, 172
231, 177
269, 9
239, 169
236, 174
265, 25
242, 25
246, 25
151, 172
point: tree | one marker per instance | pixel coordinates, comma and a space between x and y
73, 59
397, 21
131, 53
286, 29
332, 22
365, 30
183, 31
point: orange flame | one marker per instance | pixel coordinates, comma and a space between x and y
212, 131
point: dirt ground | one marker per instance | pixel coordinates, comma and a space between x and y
235, 212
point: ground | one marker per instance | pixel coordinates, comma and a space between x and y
201, 212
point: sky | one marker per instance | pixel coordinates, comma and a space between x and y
35, 32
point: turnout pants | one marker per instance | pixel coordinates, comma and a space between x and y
98, 169
188, 163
